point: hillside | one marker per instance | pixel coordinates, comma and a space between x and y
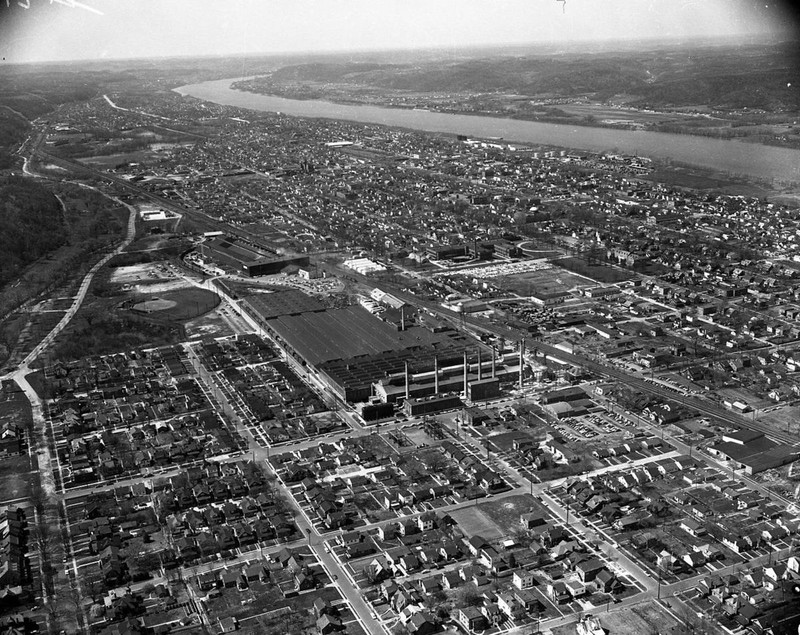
31, 225
762, 77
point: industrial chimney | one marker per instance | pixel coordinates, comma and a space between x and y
494, 373
466, 374
480, 365
521, 362
436, 375
408, 391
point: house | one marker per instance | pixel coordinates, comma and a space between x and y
528, 600
694, 559
558, 592
426, 521
349, 538
471, 619
450, 551
408, 563
329, 624
254, 572
450, 580
323, 607
359, 550
304, 580
492, 613
588, 569
207, 581
754, 577
228, 624
523, 579
773, 534
693, 527
429, 585
576, 589
231, 579
736, 543
747, 612
530, 520
429, 555
709, 584
421, 623
607, 582
474, 544
775, 572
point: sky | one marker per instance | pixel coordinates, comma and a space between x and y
58, 30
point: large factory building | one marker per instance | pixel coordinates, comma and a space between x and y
360, 357
246, 257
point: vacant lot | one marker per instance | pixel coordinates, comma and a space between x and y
601, 273
15, 478
643, 619
472, 520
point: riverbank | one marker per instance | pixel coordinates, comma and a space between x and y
579, 112
776, 166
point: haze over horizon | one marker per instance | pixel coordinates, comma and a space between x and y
119, 29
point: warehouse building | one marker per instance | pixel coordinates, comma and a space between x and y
246, 257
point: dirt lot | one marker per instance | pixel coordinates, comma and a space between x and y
643, 619
784, 419
140, 274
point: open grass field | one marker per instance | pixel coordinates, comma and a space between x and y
494, 519
472, 520
505, 512
781, 420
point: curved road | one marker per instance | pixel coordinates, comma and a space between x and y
84, 288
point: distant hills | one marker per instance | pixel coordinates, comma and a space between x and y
755, 77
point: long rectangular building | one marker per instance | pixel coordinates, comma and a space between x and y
247, 257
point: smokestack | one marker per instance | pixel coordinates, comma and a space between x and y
480, 365
436, 374
494, 373
521, 353
408, 392
466, 374
402, 318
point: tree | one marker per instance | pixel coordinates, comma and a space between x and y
469, 597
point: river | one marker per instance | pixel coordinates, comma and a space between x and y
735, 157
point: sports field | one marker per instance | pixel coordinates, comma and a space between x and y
544, 281
492, 518
179, 304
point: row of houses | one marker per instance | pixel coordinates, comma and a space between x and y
759, 598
